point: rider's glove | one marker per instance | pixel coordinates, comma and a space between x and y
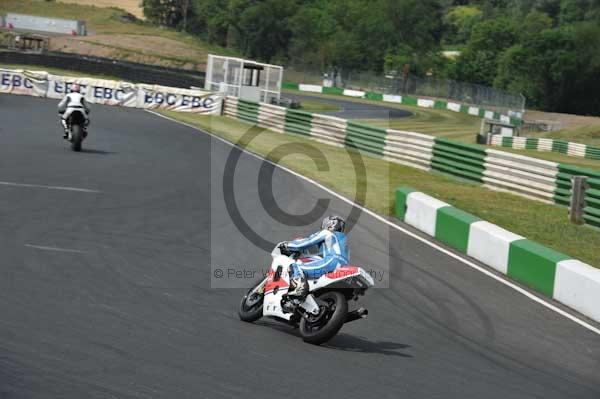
284, 249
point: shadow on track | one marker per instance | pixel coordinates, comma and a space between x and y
99, 152
352, 343
347, 342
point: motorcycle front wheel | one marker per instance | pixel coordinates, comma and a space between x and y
317, 329
251, 307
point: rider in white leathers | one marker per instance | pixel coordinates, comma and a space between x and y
71, 102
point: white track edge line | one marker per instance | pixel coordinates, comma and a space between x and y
27, 185
432, 244
55, 249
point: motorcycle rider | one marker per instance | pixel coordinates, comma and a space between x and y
71, 102
333, 252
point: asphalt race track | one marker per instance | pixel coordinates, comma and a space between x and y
352, 109
106, 293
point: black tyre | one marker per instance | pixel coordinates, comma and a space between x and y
322, 327
76, 137
251, 307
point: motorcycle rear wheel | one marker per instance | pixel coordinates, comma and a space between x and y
321, 328
76, 137
251, 307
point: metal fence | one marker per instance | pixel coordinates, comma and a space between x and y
466, 93
129, 71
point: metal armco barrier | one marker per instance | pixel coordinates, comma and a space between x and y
543, 144
536, 179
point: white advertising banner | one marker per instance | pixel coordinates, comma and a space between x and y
96, 91
110, 92
29, 83
182, 100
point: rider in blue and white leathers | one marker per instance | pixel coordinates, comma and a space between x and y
333, 252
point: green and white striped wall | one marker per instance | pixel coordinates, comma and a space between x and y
544, 144
537, 179
513, 117
544, 270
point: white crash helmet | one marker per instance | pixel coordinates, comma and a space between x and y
334, 223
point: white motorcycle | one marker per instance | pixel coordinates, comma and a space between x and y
76, 126
325, 309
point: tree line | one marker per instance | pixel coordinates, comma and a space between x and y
549, 50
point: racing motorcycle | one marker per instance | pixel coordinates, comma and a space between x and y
77, 132
324, 310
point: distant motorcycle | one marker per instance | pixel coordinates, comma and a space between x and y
77, 132
324, 311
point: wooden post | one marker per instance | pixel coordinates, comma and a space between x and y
579, 185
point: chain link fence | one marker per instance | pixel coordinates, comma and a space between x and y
129, 71
447, 89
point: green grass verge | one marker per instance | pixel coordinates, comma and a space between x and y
464, 128
546, 224
437, 122
318, 106
589, 135
554, 157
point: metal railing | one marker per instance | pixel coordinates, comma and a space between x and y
466, 93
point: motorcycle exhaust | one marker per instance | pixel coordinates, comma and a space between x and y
359, 313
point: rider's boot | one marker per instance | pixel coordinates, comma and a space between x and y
65, 128
298, 287
297, 291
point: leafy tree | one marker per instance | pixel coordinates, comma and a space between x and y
536, 21
263, 28
548, 49
459, 21
479, 61
168, 13
556, 69
573, 10
212, 19
312, 28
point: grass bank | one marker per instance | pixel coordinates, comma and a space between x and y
318, 107
114, 34
436, 122
132, 6
547, 224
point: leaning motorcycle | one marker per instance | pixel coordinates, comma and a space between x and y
324, 310
76, 129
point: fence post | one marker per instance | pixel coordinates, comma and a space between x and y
579, 185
